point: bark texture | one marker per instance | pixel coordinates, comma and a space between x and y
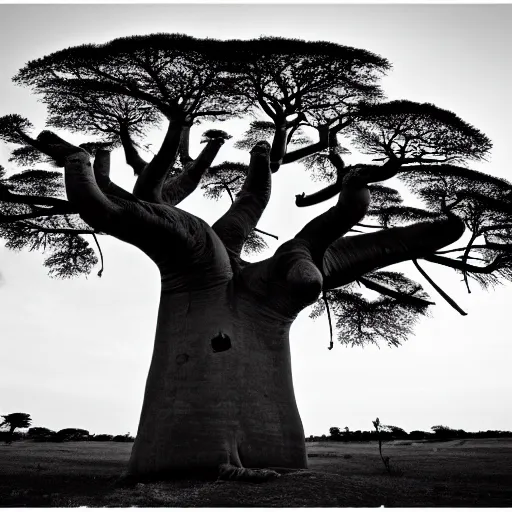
219, 389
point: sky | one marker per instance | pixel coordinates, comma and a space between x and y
76, 353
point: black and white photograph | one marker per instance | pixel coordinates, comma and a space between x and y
255, 255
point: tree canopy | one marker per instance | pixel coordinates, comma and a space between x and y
16, 420
291, 92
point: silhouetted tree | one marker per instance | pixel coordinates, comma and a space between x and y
419, 434
71, 434
102, 437
126, 438
396, 432
379, 429
336, 434
443, 432
219, 387
40, 434
13, 421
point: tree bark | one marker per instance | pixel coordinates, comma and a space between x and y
203, 408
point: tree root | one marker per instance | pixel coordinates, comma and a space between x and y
230, 472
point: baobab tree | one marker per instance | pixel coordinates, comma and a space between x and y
219, 390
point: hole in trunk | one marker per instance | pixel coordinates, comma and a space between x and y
221, 342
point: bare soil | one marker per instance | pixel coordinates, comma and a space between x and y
468, 473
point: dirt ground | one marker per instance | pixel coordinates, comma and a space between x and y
469, 473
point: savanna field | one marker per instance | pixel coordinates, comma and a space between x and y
468, 473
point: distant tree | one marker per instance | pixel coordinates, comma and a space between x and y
102, 437
419, 434
442, 431
126, 438
379, 428
13, 421
72, 434
40, 434
336, 434
396, 432
113, 94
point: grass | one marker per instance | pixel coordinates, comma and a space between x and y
470, 473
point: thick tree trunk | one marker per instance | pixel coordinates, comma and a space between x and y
219, 388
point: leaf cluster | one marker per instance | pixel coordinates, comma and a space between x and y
286, 76
254, 244
417, 132
361, 321
70, 255
35, 182
16, 420
227, 177
176, 74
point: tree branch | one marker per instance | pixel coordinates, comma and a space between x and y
329, 191
151, 179
326, 133
279, 144
63, 231
61, 204
367, 173
265, 233
351, 207
463, 267
100, 272
177, 188
102, 174
236, 224
82, 190
349, 258
439, 290
133, 159
184, 146
403, 298
5, 219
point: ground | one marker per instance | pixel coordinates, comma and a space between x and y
470, 473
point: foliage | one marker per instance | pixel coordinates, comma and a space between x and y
227, 177
361, 321
102, 437
335, 433
164, 70
254, 244
417, 132
16, 420
102, 114
41, 434
12, 422
35, 182
71, 434
126, 438
321, 80
69, 254
119, 91
12, 128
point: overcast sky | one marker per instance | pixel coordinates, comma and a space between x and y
76, 353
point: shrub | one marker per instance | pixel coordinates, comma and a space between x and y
71, 434
127, 438
40, 434
102, 437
